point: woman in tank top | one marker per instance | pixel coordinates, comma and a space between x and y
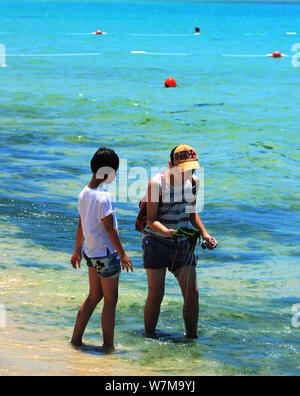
171, 204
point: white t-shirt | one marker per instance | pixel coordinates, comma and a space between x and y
93, 206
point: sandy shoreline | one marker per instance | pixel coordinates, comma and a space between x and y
27, 356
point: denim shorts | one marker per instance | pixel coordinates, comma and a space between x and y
106, 267
162, 252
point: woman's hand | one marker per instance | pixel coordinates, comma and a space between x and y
213, 243
169, 233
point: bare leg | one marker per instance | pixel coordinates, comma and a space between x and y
110, 291
156, 291
187, 280
88, 307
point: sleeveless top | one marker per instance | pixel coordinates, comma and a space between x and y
175, 206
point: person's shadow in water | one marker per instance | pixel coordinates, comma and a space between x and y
95, 350
163, 336
159, 335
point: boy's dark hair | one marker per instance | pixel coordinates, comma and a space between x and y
173, 154
105, 158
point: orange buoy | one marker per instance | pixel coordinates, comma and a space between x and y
277, 54
99, 32
170, 83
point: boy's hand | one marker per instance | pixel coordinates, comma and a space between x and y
210, 239
126, 263
76, 258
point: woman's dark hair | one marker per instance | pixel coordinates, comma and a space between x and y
105, 158
173, 154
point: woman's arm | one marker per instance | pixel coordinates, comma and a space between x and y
197, 223
194, 216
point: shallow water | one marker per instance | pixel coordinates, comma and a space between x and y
242, 116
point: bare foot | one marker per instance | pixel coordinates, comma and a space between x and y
191, 336
76, 343
150, 334
108, 349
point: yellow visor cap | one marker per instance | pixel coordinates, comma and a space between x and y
185, 157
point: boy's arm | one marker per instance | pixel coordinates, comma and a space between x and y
77, 256
113, 235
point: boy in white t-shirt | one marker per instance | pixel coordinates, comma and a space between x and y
102, 250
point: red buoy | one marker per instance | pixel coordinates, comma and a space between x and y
277, 54
170, 83
99, 32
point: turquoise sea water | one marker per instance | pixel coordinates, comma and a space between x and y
242, 116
